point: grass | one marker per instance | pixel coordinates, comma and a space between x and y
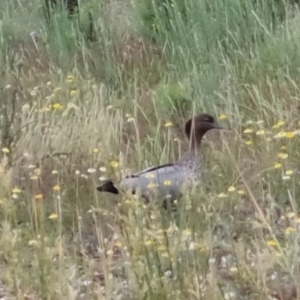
76, 110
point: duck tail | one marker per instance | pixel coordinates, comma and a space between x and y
109, 187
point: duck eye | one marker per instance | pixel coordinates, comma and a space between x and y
209, 120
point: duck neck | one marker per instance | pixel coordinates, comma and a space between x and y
194, 143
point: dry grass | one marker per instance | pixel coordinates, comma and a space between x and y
236, 238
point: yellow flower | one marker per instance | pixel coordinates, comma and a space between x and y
32, 243
260, 132
73, 92
151, 185
70, 78
248, 130
45, 109
161, 248
53, 216
222, 117
56, 188
222, 195
289, 172
168, 124
148, 243
187, 232
280, 135
283, 148
167, 182
248, 143
31, 166
241, 192
282, 155
118, 244
196, 246
114, 163
54, 172
25, 107
289, 134
279, 124
166, 255
149, 175
37, 172
277, 165
233, 269
34, 177
296, 132
16, 190
231, 189
127, 201
272, 243
289, 230
38, 197
5, 150
297, 220
290, 215
131, 119
57, 106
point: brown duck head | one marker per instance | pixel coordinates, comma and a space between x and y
196, 127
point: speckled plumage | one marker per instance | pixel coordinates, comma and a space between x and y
165, 181
168, 181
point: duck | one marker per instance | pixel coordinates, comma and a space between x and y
167, 181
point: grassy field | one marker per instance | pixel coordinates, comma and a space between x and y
106, 93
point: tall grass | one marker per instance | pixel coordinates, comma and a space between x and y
76, 110
206, 40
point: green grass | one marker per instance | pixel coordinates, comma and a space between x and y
76, 110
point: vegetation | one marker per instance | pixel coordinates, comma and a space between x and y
105, 92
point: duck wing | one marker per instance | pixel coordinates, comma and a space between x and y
150, 169
148, 179
163, 181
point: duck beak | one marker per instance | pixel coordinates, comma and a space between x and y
217, 126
